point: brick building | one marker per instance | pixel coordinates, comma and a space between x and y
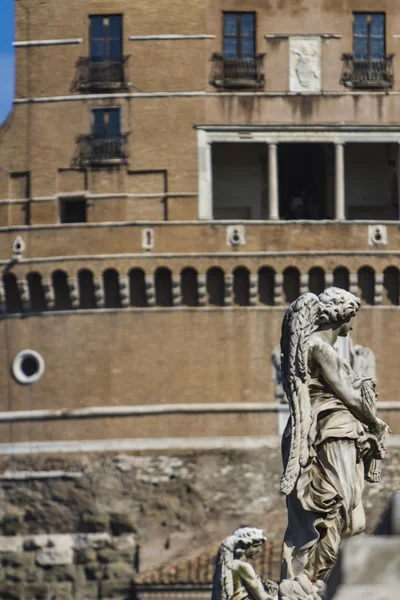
171, 176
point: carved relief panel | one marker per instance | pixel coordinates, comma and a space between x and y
305, 64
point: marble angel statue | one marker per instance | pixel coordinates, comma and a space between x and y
234, 578
333, 440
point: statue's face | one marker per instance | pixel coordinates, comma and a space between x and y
346, 328
253, 551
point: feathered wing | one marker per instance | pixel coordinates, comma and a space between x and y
223, 588
299, 322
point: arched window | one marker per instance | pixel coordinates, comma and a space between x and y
216, 286
341, 278
137, 286
61, 291
291, 284
366, 284
391, 285
316, 280
266, 280
112, 297
163, 283
86, 289
190, 294
36, 292
241, 286
13, 299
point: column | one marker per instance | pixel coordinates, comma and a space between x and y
340, 198
273, 185
202, 290
73, 292
124, 291
205, 176
150, 290
48, 291
23, 289
176, 290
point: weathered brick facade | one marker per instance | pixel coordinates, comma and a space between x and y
206, 343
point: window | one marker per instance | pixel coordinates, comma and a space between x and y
369, 31
239, 34
106, 122
105, 37
73, 211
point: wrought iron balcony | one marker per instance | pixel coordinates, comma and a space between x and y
100, 74
372, 73
92, 150
237, 72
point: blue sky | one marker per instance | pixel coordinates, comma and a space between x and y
6, 57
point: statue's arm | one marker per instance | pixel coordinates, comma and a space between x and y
339, 379
251, 582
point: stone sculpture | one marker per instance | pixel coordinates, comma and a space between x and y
234, 578
333, 439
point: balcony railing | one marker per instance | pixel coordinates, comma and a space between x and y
237, 72
372, 73
93, 150
100, 74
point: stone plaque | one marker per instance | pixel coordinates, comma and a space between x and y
305, 64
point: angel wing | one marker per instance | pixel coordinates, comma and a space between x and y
299, 322
223, 587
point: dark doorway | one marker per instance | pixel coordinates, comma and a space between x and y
303, 181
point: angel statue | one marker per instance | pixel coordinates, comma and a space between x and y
333, 440
234, 578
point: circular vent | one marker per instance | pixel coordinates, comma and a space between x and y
28, 367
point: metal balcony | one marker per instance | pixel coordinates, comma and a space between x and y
100, 74
93, 150
372, 73
237, 72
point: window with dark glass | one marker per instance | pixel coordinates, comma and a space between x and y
369, 36
73, 211
105, 37
106, 122
239, 34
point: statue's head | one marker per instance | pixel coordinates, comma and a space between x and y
337, 308
249, 541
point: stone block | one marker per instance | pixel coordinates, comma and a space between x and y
36, 542
94, 571
87, 591
124, 542
94, 522
85, 555
51, 591
11, 544
17, 560
22, 574
119, 571
59, 573
122, 523
109, 555
55, 556
11, 523
11, 591
93, 540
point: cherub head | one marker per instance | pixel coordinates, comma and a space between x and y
337, 308
249, 541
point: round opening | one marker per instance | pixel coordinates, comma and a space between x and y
28, 367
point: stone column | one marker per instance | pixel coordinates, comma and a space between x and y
253, 292
278, 289
273, 184
99, 292
353, 283
150, 290
123, 281
378, 291
328, 280
202, 289
340, 195
228, 295
23, 289
176, 290
205, 176
48, 291
73, 292
304, 283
